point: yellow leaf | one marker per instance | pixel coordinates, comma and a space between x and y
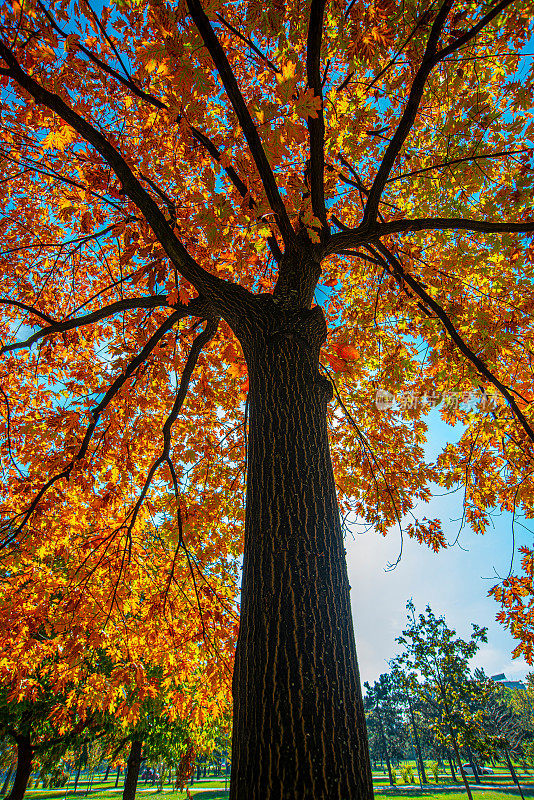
59, 139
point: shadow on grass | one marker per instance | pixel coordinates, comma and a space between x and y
412, 791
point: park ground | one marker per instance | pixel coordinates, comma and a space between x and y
496, 787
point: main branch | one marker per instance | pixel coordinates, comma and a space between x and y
155, 301
354, 237
431, 58
410, 112
220, 293
129, 84
316, 125
462, 346
248, 127
14, 526
196, 348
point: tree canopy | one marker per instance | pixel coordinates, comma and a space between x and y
193, 197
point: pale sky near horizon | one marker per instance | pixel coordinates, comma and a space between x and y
454, 582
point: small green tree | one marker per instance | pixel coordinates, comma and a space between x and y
441, 658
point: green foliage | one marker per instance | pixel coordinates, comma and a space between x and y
454, 698
507, 722
388, 735
33, 714
407, 773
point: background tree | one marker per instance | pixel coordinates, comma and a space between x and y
385, 716
506, 733
222, 747
442, 659
28, 719
8, 760
432, 746
72, 668
382, 716
167, 168
521, 702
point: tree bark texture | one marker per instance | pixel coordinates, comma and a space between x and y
132, 770
24, 768
299, 727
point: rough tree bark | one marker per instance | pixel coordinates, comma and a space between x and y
299, 726
24, 767
132, 770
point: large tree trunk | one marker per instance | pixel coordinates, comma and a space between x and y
298, 727
24, 768
132, 770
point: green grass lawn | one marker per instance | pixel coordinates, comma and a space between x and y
501, 785
211, 790
454, 794
208, 791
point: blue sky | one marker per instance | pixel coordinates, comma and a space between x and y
454, 582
